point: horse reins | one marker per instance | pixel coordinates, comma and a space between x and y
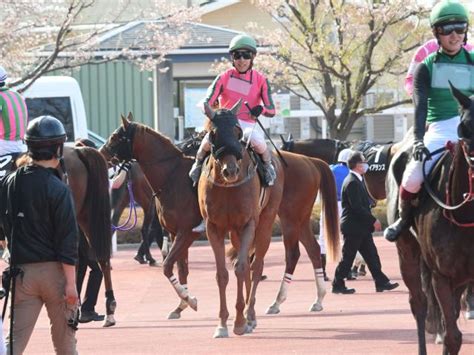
468, 197
124, 227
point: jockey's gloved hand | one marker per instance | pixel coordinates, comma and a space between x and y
419, 150
256, 110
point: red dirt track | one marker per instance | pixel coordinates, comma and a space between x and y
364, 323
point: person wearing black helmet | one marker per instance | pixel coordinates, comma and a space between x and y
38, 217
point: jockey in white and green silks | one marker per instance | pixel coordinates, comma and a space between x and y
435, 107
13, 118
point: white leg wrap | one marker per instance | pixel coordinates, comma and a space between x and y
285, 283
180, 289
321, 289
320, 285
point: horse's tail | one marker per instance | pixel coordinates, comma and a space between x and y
327, 187
232, 254
97, 203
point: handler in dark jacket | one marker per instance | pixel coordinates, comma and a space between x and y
37, 215
357, 225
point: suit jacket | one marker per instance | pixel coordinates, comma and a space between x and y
356, 216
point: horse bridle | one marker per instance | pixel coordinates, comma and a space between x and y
468, 196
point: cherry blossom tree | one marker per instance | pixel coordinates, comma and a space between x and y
335, 52
42, 36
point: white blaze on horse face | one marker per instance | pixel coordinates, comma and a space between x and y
230, 169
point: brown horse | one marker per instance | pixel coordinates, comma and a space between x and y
443, 248
167, 169
88, 180
232, 199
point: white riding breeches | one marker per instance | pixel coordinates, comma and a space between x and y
9, 147
436, 136
250, 130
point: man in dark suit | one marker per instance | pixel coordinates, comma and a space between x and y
357, 225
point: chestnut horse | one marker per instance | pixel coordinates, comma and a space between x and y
88, 180
166, 168
442, 251
232, 199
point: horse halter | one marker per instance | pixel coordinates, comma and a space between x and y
120, 144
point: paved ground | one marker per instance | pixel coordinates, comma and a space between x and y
363, 323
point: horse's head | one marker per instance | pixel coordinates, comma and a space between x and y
466, 126
119, 146
225, 136
287, 144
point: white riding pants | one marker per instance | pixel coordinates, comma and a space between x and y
250, 131
436, 136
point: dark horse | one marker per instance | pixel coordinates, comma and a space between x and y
442, 251
328, 150
88, 180
166, 168
324, 149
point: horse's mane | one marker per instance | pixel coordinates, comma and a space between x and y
165, 140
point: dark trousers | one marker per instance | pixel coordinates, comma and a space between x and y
150, 232
86, 259
365, 245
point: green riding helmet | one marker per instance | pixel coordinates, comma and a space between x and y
243, 42
448, 11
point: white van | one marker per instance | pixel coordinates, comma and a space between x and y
61, 97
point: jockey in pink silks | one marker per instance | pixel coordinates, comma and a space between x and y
241, 83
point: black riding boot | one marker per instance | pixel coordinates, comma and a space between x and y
394, 230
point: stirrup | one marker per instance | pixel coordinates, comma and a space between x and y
270, 174
200, 228
195, 171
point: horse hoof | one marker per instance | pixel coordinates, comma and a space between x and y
241, 330
469, 314
439, 339
273, 309
316, 307
174, 315
252, 324
192, 302
109, 321
221, 332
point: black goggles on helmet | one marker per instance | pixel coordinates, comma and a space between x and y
242, 54
460, 28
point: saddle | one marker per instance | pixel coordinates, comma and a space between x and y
7, 163
376, 155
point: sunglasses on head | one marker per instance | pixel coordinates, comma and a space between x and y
459, 28
245, 55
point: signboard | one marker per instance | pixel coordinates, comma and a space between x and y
193, 116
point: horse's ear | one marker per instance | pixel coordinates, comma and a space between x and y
210, 113
463, 100
125, 122
236, 108
282, 139
290, 137
130, 116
